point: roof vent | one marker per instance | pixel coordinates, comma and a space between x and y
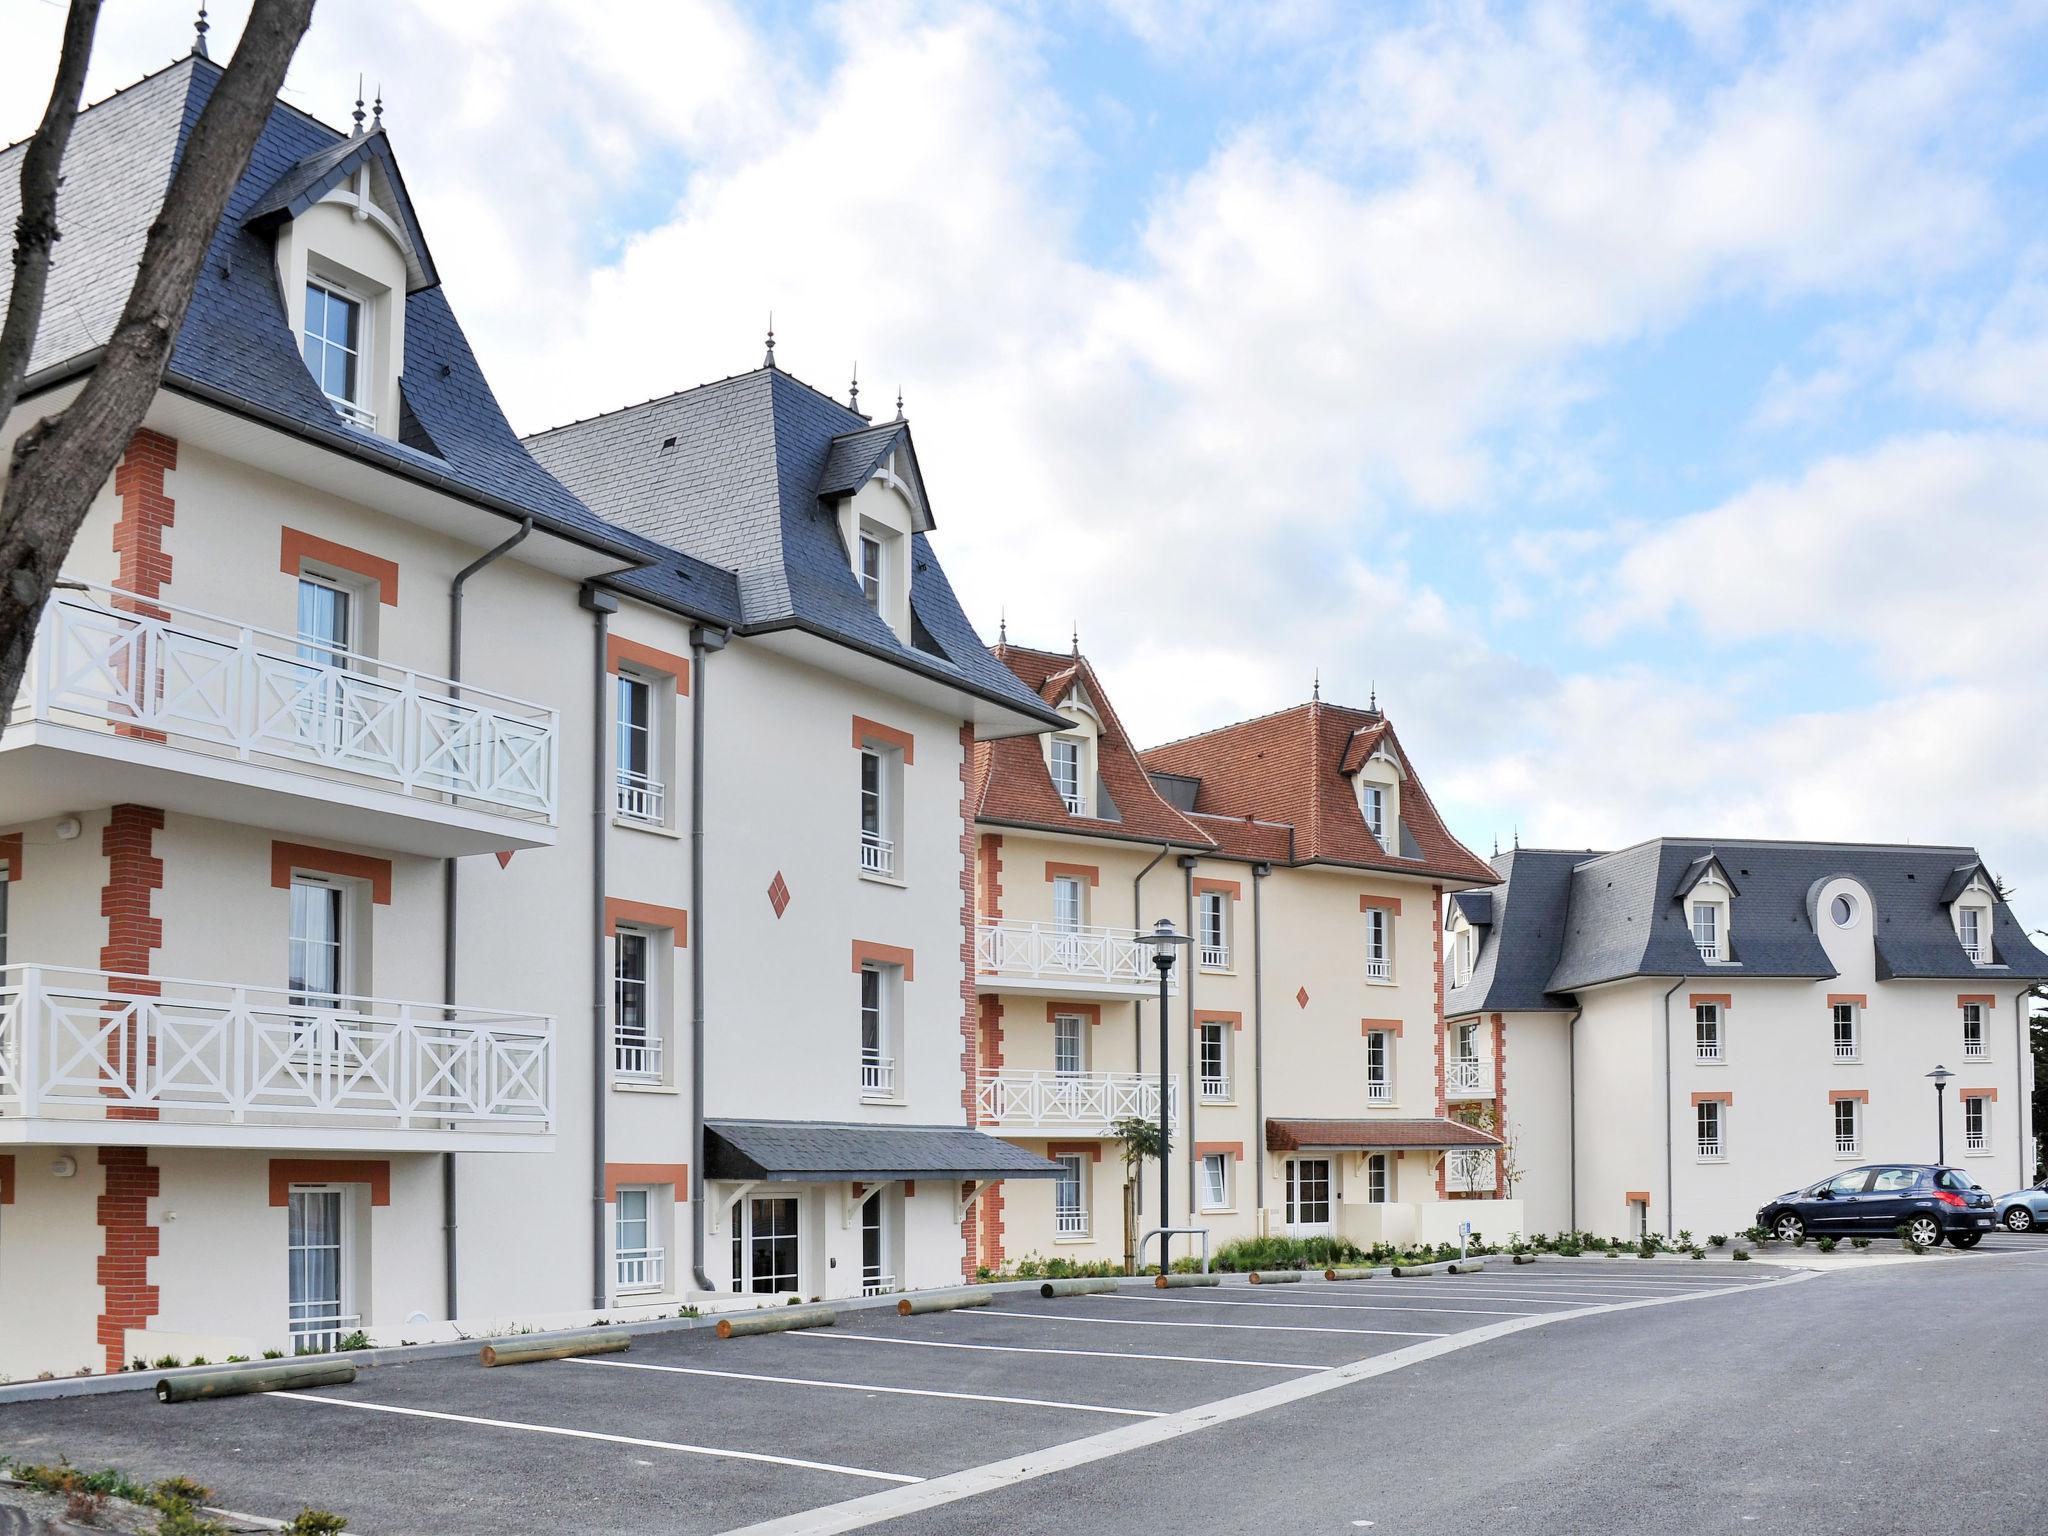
667, 443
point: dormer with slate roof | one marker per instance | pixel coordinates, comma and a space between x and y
1970, 894
1707, 893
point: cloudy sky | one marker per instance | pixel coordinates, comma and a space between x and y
1651, 402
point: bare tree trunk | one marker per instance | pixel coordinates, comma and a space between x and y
59, 464
35, 230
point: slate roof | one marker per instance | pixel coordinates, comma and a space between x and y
733, 474
1382, 1135
1010, 782
1570, 920
815, 1151
1293, 768
236, 349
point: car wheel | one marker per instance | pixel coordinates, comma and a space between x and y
1924, 1230
1966, 1239
1788, 1228
2019, 1219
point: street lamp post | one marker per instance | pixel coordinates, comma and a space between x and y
1164, 939
1939, 1077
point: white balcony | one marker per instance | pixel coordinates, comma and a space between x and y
1047, 959
1709, 950
1975, 1048
1071, 1223
1468, 1077
1379, 968
1710, 1151
1848, 1146
641, 798
641, 1269
134, 699
1470, 1170
1976, 1141
1088, 1103
1214, 1090
877, 1285
1215, 957
877, 1075
1710, 1050
1379, 1091
1979, 954
877, 854
636, 1056
92, 1058
318, 1326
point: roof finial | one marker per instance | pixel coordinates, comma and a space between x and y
1496, 845
1316, 689
853, 390
1518, 837
357, 131
899, 402
1077, 637
769, 360
377, 110
1374, 706
1002, 626
199, 35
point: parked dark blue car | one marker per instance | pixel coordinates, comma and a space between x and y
1877, 1199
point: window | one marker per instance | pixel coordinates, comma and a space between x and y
1894, 1181
1379, 944
326, 622
1711, 1116
1216, 1181
1379, 1067
1468, 1042
1069, 903
1976, 1123
1970, 924
764, 1244
640, 1258
1706, 1031
334, 347
1843, 910
1706, 929
877, 848
318, 1261
1215, 1049
1308, 1193
1215, 930
1848, 1031
1068, 1058
877, 1064
1974, 1043
871, 570
1378, 1180
636, 1037
1372, 800
1070, 1197
1461, 957
318, 951
1066, 773
875, 1279
1848, 1128
641, 794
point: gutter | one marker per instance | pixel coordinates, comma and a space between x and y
703, 642
1571, 1157
1138, 1009
1187, 871
1670, 1221
1259, 873
601, 606
449, 929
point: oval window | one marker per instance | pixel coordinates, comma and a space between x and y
1844, 910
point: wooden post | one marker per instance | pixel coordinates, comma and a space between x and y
1076, 1287
553, 1346
942, 1301
775, 1320
1275, 1276
276, 1376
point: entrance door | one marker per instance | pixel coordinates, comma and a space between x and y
764, 1244
1309, 1196
317, 1253
875, 1280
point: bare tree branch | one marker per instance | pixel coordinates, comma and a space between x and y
35, 228
59, 464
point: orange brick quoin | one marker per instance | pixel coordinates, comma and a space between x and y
1092, 1012
1722, 999
618, 910
287, 857
1208, 1148
868, 732
619, 650
287, 1171
1219, 1016
1842, 1095
127, 1243
616, 1174
866, 953
991, 882
1713, 1098
980, 1242
134, 875
1380, 1026
1229, 888
1384, 903
144, 565
10, 858
296, 548
1090, 872
1836, 999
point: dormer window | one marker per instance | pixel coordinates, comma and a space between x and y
334, 349
1373, 797
871, 570
1970, 927
1706, 929
1066, 773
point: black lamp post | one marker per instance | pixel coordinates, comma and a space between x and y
1939, 1077
1164, 939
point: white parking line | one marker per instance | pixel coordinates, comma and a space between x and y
1028, 1349
1154, 1322
591, 1434
1311, 1306
855, 1386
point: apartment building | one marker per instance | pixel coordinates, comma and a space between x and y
1697, 1026
1305, 1062
423, 898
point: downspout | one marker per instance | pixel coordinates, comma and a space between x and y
1259, 873
602, 606
448, 928
1670, 1224
702, 643
1187, 872
1571, 1156
1138, 1009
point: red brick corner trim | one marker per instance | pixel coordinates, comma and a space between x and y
10, 858
1092, 873
616, 1174
866, 731
128, 1242
287, 1171
6, 1178
146, 512
618, 910
866, 953
1092, 1150
295, 548
618, 649
1840, 1095
286, 857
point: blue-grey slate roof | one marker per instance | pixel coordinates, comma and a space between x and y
326, 168
816, 1151
1565, 921
854, 457
731, 473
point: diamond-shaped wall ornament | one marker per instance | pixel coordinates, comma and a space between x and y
1301, 998
778, 894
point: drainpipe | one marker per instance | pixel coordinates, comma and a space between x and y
1138, 1009
448, 928
1571, 1157
601, 605
1670, 1222
702, 643
1187, 876
1259, 873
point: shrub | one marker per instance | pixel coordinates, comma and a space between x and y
1799, 1241
1699, 1253
1684, 1238
1741, 1255
84, 1507
168, 1362
181, 1488
357, 1340
1719, 1239
199, 1360
315, 1522
1249, 1253
1859, 1242
1824, 1244
273, 1354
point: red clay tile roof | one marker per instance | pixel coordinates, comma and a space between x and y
1295, 767
1419, 1135
1010, 783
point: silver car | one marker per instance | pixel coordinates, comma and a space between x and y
2024, 1210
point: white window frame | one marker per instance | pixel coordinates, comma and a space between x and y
1213, 923
638, 1060
741, 1215
642, 1268
871, 570
1976, 1039
1213, 1088
1977, 1143
1379, 1178
1971, 928
1299, 1192
875, 1279
1708, 1020
1379, 945
1463, 955
1710, 1124
1215, 1175
310, 1330
1850, 1014
878, 1012
877, 812
1063, 752
1069, 903
351, 407
1849, 1113
640, 794
1379, 1053
341, 900
1069, 1028
1070, 1216
1706, 930
1372, 804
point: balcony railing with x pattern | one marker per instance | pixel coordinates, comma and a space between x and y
1469, 1077
198, 682
1470, 1170
1115, 957
1071, 1101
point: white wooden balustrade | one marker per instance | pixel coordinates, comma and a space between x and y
206, 684
1067, 958
1071, 1100
1469, 1077
1469, 1169
76, 1045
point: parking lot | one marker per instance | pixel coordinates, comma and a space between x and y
690, 1433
